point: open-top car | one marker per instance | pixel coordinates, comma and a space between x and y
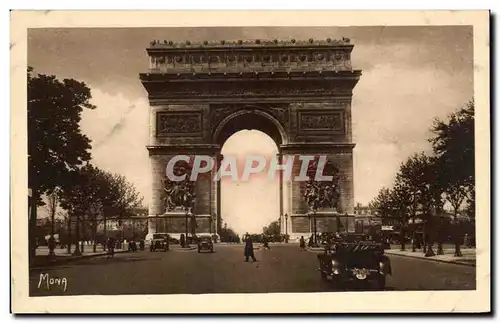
206, 243
354, 262
159, 242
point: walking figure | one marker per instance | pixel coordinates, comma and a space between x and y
265, 243
111, 247
249, 249
302, 243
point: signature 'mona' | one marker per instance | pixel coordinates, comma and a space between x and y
46, 282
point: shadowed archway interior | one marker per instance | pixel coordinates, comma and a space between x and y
248, 120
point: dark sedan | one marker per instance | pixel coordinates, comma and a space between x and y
205, 243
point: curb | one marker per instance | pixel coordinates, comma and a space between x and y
184, 249
315, 249
73, 258
454, 262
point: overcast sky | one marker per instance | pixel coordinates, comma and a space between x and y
410, 76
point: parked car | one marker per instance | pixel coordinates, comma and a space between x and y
359, 262
205, 242
159, 242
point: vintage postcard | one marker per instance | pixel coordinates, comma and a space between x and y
250, 162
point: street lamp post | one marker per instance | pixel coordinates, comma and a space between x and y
315, 240
52, 231
279, 224
187, 217
286, 227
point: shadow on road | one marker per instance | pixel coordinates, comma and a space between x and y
101, 261
360, 288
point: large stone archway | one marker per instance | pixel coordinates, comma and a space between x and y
299, 93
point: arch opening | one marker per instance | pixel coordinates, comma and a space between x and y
249, 205
250, 120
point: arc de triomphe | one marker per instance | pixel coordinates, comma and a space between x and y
297, 92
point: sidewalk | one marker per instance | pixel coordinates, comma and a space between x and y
42, 258
468, 255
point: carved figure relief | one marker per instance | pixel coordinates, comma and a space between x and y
219, 113
179, 194
332, 121
327, 121
169, 123
322, 194
280, 112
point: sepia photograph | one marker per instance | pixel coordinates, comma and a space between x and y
331, 161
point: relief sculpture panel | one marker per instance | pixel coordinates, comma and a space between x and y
179, 124
322, 121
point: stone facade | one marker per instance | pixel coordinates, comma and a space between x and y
298, 92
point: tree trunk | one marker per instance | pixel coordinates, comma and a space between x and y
440, 248
440, 234
52, 244
402, 237
458, 252
429, 252
413, 233
77, 251
32, 225
94, 229
69, 233
105, 232
424, 238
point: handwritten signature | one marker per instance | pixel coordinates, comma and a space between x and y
46, 281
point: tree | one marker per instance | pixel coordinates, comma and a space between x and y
417, 176
383, 203
56, 145
453, 145
80, 198
96, 193
272, 230
400, 198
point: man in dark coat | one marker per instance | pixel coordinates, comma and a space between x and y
111, 247
302, 243
249, 249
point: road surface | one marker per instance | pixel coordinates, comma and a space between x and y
282, 269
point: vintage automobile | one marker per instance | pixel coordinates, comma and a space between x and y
205, 242
159, 242
354, 262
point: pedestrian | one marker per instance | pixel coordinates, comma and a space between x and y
265, 243
311, 241
249, 249
111, 247
302, 243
